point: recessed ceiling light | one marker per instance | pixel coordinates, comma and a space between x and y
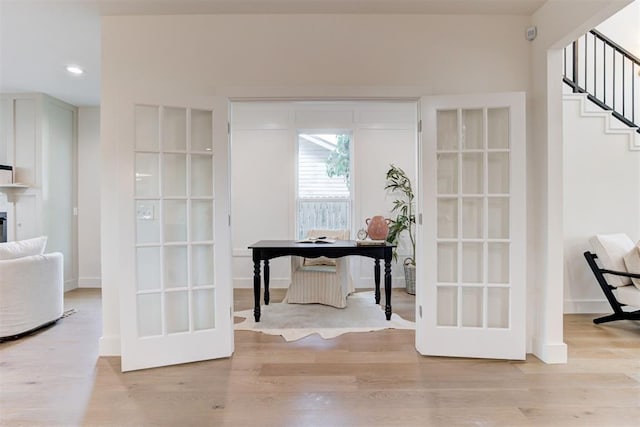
75, 70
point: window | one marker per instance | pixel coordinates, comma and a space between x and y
324, 188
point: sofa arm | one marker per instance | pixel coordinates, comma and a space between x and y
31, 292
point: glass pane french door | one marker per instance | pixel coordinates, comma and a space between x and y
179, 298
174, 220
472, 236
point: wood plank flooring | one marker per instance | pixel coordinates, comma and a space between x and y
55, 378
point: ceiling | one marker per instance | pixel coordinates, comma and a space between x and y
39, 38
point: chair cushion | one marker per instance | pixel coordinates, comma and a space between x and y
332, 234
629, 295
23, 248
611, 249
321, 260
319, 268
632, 262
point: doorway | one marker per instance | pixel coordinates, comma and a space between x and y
264, 165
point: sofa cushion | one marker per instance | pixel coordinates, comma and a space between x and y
632, 262
23, 248
611, 249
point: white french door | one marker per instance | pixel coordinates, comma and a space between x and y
175, 290
471, 243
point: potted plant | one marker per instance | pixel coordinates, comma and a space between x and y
399, 184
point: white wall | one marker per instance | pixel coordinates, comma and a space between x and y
89, 197
350, 56
601, 179
58, 185
301, 56
264, 141
236, 54
602, 195
624, 28
558, 24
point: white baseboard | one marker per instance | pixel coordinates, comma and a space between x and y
70, 285
586, 306
90, 282
550, 353
109, 345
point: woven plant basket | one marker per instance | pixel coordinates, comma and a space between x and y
410, 277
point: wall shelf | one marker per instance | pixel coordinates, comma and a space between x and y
15, 185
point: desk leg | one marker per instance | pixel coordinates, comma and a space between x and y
387, 288
256, 288
266, 282
376, 278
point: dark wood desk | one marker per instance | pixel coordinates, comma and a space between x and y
264, 250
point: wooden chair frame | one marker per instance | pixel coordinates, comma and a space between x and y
618, 313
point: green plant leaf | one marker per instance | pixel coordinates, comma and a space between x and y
398, 183
338, 162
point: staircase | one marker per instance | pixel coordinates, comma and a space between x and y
610, 125
604, 78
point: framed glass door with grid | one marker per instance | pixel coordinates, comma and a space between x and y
471, 250
176, 295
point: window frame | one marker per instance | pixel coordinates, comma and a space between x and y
298, 200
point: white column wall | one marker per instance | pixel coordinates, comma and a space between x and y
601, 177
264, 150
544, 155
602, 195
58, 185
89, 197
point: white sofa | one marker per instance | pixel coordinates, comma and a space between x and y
31, 291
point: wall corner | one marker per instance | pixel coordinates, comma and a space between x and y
109, 345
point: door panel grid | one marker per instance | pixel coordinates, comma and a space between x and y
473, 217
173, 214
174, 220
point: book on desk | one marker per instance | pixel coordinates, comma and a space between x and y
371, 242
316, 240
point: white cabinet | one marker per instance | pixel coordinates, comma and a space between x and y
26, 129
26, 212
38, 138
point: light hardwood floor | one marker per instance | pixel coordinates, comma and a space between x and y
55, 378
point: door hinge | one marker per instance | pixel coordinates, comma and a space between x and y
419, 125
420, 311
228, 128
419, 219
229, 220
